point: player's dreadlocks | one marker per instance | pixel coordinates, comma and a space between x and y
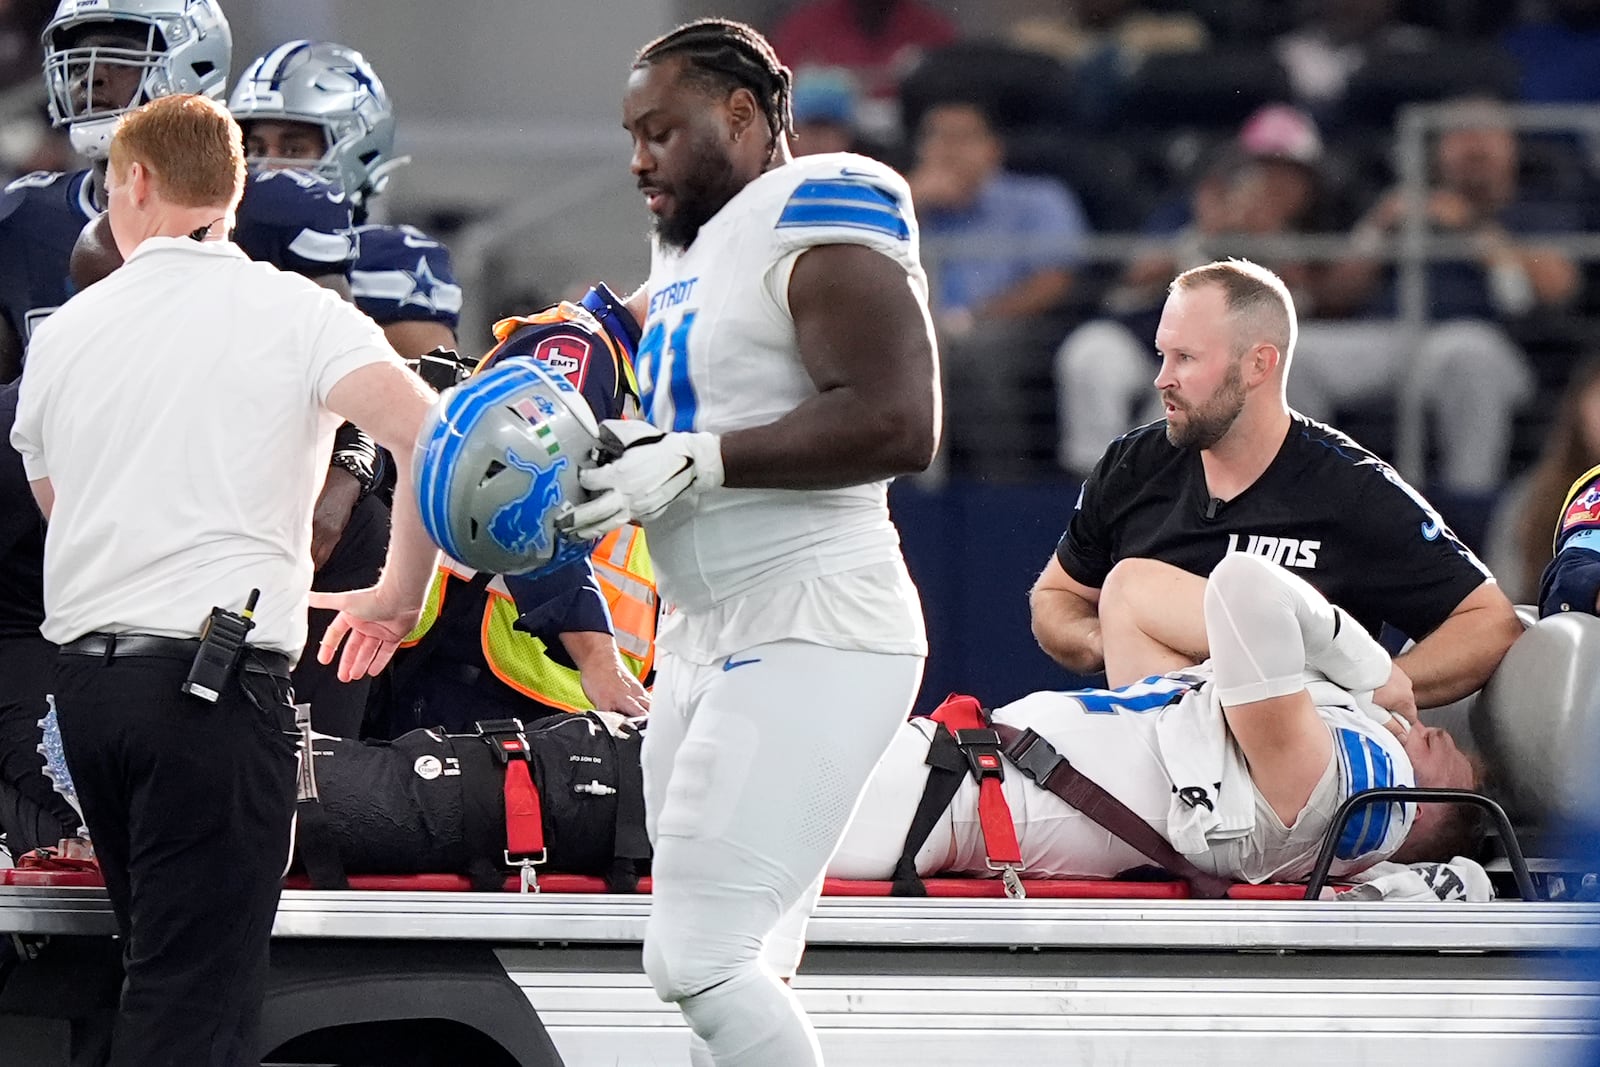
730, 55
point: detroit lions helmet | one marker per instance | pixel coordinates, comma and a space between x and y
334, 88
497, 464
172, 46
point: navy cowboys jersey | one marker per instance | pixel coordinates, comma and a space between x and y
41, 215
298, 222
403, 275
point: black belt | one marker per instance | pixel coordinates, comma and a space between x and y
149, 646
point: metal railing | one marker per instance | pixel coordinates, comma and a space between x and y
1409, 251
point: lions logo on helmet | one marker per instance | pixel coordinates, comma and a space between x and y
141, 50
497, 464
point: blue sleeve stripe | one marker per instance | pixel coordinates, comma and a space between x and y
1368, 766
851, 191
853, 216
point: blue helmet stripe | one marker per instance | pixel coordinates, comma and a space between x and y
471, 409
281, 70
462, 412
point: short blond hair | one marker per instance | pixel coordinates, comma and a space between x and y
1257, 301
191, 146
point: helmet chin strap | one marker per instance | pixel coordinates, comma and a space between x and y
92, 137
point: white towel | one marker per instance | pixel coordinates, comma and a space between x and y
1460, 879
1212, 796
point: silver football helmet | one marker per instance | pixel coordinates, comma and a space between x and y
334, 88
171, 46
497, 465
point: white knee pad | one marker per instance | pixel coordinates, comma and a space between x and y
1274, 624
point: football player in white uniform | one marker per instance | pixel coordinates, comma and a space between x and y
1281, 717
787, 371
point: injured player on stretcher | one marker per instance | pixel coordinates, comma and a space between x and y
1240, 763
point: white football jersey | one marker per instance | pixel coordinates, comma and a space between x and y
1111, 736
737, 567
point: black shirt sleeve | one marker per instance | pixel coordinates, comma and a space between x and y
1084, 550
1419, 571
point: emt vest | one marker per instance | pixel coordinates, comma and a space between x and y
622, 567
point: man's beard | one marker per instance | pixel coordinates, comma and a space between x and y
1206, 425
700, 195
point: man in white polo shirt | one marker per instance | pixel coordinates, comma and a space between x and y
175, 422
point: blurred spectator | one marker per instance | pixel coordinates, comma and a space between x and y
962, 191
1558, 54
1474, 375
823, 102
1104, 42
21, 23
1001, 252
1264, 183
1334, 45
878, 41
1520, 531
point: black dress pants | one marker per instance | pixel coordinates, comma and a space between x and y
189, 805
32, 813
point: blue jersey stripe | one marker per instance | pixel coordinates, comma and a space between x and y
1355, 761
1368, 766
854, 216
858, 192
1382, 778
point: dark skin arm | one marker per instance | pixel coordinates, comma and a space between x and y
866, 340
10, 353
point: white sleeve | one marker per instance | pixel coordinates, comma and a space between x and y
345, 341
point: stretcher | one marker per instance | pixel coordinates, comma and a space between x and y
419, 970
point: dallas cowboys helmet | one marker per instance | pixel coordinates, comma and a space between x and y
333, 87
497, 464
174, 46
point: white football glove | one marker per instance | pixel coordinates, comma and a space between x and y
652, 470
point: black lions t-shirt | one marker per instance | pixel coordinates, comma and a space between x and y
1326, 509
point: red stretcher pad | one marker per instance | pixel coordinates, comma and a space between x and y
1041, 889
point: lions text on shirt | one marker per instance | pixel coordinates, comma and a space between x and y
1325, 507
739, 567
179, 409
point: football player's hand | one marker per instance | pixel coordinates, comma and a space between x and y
1397, 696
340, 495
651, 470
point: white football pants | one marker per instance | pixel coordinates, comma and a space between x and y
752, 768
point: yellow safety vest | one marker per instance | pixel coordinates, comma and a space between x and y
622, 566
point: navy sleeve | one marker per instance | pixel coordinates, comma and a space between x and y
296, 221
562, 602
403, 275
575, 354
1571, 581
